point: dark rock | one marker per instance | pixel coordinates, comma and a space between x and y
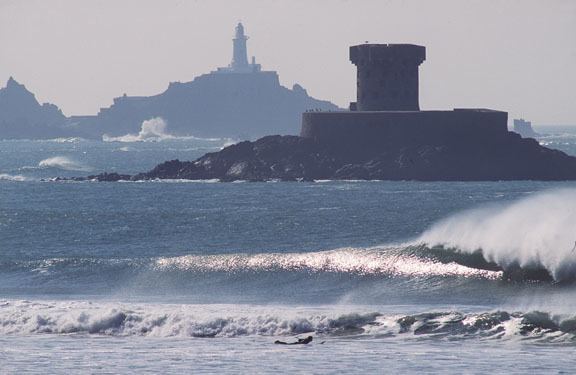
103, 177
291, 158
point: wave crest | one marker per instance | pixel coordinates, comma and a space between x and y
155, 130
534, 233
62, 162
375, 261
10, 177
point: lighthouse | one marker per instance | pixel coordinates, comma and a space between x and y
239, 54
240, 62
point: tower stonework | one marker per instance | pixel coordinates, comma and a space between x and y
387, 76
387, 112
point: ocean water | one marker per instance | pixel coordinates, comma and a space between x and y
189, 276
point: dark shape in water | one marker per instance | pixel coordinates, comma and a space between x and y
512, 272
305, 341
515, 272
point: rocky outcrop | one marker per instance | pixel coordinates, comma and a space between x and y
21, 116
240, 106
233, 105
292, 158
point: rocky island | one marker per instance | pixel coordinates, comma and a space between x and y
240, 101
384, 136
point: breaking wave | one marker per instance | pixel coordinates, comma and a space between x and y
534, 234
66, 140
154, 320
401, 261
155, 130
62, 162
375, 261
253, 277
10, 177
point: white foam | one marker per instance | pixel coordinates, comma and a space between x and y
539, 230
155, 130
9, 177
66, 140
65, 163
159, 320
19, 317
228, 142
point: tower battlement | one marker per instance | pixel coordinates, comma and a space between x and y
387, 76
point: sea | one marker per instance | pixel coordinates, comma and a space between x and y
203, 277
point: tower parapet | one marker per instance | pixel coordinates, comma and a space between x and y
387, 76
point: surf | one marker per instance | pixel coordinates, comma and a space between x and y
156, 130
530, 237
108, 318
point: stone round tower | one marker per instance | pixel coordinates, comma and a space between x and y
387, 76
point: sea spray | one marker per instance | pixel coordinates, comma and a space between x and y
154, 130
65, 163
10, 177
533, 232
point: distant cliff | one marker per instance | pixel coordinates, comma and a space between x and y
21, 116
240, 105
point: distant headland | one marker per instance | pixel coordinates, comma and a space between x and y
239, 101
384, 136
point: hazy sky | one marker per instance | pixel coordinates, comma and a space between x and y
518, 56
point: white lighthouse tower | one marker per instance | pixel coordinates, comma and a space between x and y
239, 54
239, 62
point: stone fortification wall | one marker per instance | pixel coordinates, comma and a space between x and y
354, 131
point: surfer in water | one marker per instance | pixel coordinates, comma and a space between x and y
305, 341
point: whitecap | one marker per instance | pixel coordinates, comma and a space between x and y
9, 177
65, 163
535, 231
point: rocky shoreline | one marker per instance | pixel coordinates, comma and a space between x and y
293, 158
